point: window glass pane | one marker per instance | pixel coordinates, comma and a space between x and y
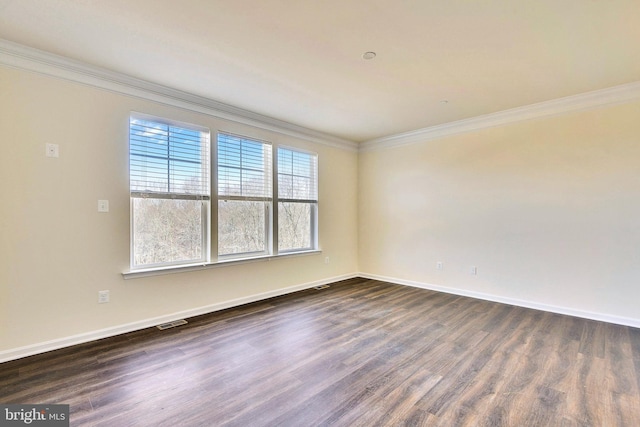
167, 231
241, 227
297, 194
294, 226
297, 175
168, 159
302, 188
244, 167
285, 186
170, 191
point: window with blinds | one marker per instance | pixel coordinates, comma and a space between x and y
170, 191
258, 207
244, 195
297, 200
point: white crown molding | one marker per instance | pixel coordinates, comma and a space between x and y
610, 96
602, 317
26, 58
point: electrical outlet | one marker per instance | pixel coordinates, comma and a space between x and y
103, 206
439, 265
326, 260
103, 297
52, 150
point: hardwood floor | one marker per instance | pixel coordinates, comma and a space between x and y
360, 353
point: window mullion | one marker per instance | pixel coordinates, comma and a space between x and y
213, 209
275, 203
168, 141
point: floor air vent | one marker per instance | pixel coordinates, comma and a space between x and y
321, 287
170, 325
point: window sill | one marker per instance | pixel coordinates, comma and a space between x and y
134, 274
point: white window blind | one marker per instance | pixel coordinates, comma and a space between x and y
244, 168
297, 176
168, 161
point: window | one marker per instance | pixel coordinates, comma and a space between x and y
297, 200
244, 196
259, 207
169, 188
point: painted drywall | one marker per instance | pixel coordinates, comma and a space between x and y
57, 251
548, 210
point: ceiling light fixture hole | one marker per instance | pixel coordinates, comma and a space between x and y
368, 55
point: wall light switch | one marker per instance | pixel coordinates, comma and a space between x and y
474, 271
103, 206
52, 150
103, 297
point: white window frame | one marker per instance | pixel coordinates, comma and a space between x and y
267, 199
313, 202
168, 195
210, 225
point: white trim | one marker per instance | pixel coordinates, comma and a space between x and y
20, 352
602, 317
224, 262
585, 101
26, 58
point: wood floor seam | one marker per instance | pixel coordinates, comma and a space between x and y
361, 352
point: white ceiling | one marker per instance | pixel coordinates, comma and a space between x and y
300, 60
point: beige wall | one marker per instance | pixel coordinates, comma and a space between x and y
547, 209
57, 251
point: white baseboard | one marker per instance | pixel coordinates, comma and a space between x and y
618, 320
20, 352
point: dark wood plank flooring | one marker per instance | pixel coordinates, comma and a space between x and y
360, 353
